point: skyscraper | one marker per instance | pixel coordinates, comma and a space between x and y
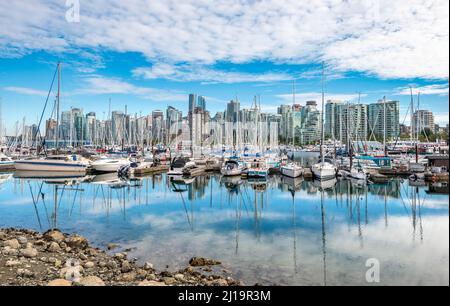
330, 118
233, 109
192, 102
377, 119
201, 102
423, 120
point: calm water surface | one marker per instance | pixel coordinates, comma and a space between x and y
283, 231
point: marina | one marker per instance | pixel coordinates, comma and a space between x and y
279, 230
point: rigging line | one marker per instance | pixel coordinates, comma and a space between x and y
35, 206
45, 105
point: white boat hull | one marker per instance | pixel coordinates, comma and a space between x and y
291, 172
109, 166
324, 171
231, 172
50, 166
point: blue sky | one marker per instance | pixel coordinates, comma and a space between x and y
151, 54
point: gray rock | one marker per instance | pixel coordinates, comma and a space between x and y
112, 246
13, 244
179, 277
126, 267
148, 266
29, 252
22, 240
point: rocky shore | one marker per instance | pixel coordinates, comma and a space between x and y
29, 258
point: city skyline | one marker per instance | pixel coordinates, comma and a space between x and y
178, 50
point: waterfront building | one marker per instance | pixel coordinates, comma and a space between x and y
423, 120
158, 126
331, 118
350, 122
311, 123
377, 119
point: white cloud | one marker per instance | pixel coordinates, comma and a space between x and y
190, 73
99, 85
390, 39
26, 91
435, 89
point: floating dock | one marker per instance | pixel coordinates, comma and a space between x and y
155, 169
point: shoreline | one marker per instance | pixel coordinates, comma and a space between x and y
53, 258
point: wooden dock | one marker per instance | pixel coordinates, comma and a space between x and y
307, 174
155, 169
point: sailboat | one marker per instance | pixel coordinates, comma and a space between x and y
292, 169
6, 162
63, 163
323, 170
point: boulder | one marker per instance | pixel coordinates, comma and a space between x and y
13, 244
54, 247
77, 242
54, 235
91, 281
29, 252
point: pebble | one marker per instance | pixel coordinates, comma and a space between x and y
170, 281
126, 267
179, 277
89, 265
112, 246
25, 273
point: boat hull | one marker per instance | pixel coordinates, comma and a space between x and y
49, 166
322, 172
291, 172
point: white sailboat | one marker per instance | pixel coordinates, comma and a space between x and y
64, 163
109, 164
323, 170
6, 163
232, 168
292, 169
60, 163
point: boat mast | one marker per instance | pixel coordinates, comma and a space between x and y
419, 126
293, 105
57, 107
321, 122
385, 127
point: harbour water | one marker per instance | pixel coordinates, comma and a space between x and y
282, 231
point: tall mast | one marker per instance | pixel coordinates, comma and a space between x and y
57, 107
412, 116
321, 122
385, 127
419, 126
293, 105
1, 122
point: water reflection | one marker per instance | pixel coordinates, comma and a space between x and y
279, 230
